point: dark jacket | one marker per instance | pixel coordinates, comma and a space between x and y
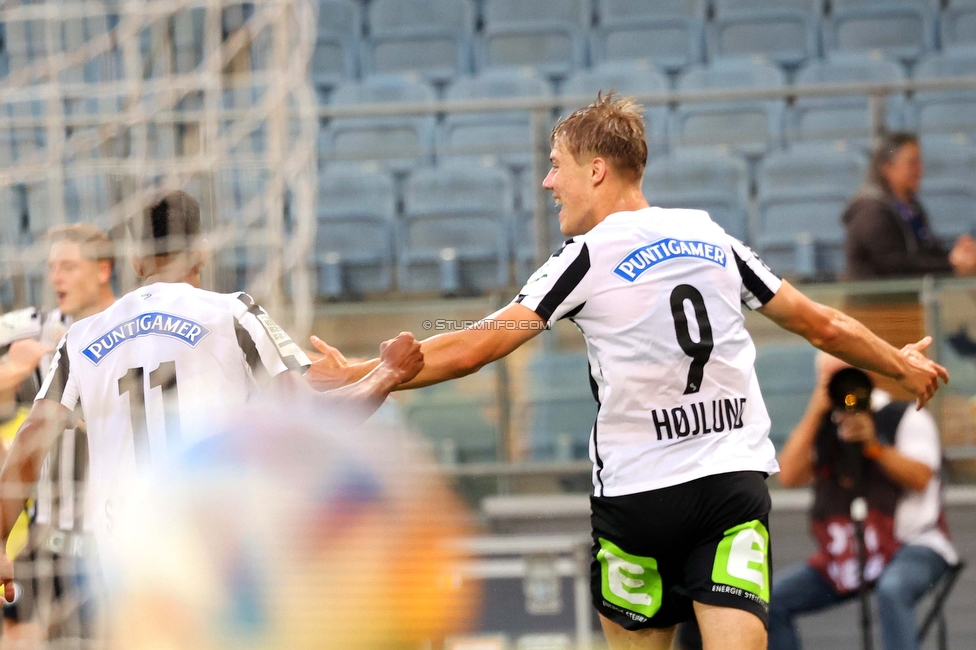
880, 244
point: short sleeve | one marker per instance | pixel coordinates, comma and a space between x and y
60, 385
759, 283
266, 346
559, 288
917, 437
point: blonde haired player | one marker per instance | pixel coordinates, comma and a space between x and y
680, 446
157, 368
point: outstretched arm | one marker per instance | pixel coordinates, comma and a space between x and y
46, 420
457, 354
847, 339
400, 360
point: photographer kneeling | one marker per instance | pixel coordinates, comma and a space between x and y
854, 441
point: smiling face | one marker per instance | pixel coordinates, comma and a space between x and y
572, 187
76, 280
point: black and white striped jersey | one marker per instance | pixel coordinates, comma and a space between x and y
59, 497
153, 372
658, 295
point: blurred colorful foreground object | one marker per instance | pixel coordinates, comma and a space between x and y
291, 529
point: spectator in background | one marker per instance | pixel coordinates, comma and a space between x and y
890, 453
888, 231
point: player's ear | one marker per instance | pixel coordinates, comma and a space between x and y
598, 170
139, 266
104, 271
202, 253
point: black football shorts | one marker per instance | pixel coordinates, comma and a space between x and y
656, 552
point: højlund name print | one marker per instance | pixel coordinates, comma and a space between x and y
148, 324
640, 260
699, 418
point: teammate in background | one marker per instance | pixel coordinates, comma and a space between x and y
80, 266
680, 446
154, 371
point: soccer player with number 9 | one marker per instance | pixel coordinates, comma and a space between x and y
681, 444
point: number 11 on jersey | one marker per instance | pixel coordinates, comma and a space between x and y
132, 383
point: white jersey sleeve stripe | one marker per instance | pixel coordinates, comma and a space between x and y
58, 382
250, 350
272, 337
551, 302
759, 283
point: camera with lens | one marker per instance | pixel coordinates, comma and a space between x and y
850, 391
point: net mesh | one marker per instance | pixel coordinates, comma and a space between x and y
105, 102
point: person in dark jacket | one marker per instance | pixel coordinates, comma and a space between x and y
888, 232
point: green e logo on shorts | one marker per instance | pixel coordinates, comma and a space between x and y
742, 559
629, 581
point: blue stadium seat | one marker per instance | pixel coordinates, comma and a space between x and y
560, 406
14, 211
188, 38
949, 158
356, 228
339, 27
454, 236
24, 42
902, 30
240, 196
845, 116
703, 180
400, 142
432, 38
523, 228
627, 78
787, 378
787, 36
505, 134
801, 195
951, 207
666, 32
244, 98
549, 36
958, 24
799, 232
86, 199
39, 215
462, 425
751, 127
28, 141
831, 166
946, 111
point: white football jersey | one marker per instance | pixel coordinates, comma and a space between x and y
152, 371
658, 295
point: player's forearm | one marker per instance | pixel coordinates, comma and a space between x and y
369, 393
905, 471
21, 469
796, 458
450, 356
849, 340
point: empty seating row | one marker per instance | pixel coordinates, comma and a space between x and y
440, 39
168, 44
748, 126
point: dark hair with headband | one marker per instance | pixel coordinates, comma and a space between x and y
884, 152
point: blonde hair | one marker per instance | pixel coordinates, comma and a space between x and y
612, 127
94, 243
